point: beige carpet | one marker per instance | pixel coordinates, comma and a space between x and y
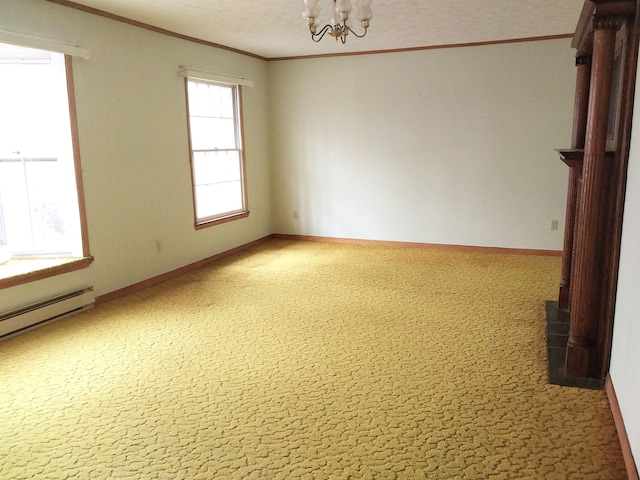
301, 360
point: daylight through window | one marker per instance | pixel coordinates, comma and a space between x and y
39, 213
217, 158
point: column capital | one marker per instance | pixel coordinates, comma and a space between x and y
612, 14
608, 23
583, 60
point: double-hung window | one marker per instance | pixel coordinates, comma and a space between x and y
217, 155
39, 201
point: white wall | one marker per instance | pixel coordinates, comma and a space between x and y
131, 110
625, 355
451, 146
444, 146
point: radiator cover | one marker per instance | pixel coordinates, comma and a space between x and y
44, 311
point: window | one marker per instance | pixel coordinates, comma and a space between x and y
217, 156
39, 204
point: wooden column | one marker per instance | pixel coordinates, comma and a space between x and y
586, 298
580, 110
609, 32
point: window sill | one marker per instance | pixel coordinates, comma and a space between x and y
217, 221
17, 272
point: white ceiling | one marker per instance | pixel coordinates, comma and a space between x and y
276, 29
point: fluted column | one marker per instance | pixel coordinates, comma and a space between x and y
580, 110
585, 294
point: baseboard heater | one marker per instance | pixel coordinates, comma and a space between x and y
45, 311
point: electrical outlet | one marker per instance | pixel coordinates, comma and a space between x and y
553, 225
158, 246
296, 215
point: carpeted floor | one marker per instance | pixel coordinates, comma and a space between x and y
301, 360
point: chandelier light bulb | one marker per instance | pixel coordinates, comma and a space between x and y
364, 10
343, 6
335, 19
311, 9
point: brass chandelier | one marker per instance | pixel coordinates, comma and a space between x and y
337, 27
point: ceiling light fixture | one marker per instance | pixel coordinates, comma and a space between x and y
337, 27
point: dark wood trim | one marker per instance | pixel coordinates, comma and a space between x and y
619, 178
606, 30
582, 347
429, 47
573, 187
433, 246
150, 282
581, 101
71, 266
146, 26
582, 39
632, 471
574, 159
614, 11
599, 14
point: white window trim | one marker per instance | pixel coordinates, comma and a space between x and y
214, 77
40, 43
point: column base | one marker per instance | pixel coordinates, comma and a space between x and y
563, 297
557, 338
577, 362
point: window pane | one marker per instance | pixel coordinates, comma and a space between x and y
216, 167
229, 167
226, 103
230, 196
46, 205
218, 182
203, 168
15, 205
38, 196
211, 133
210, 100
216, 156
220, 198
192, 98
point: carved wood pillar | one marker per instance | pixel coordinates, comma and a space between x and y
586, 294
608, 31
580, 110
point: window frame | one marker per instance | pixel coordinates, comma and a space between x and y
73, 263
75, 142
209, 221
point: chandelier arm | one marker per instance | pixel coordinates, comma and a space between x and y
352, 31
338, 27
316, 37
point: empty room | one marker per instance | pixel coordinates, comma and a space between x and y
319, 239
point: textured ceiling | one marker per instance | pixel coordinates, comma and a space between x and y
276, 29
